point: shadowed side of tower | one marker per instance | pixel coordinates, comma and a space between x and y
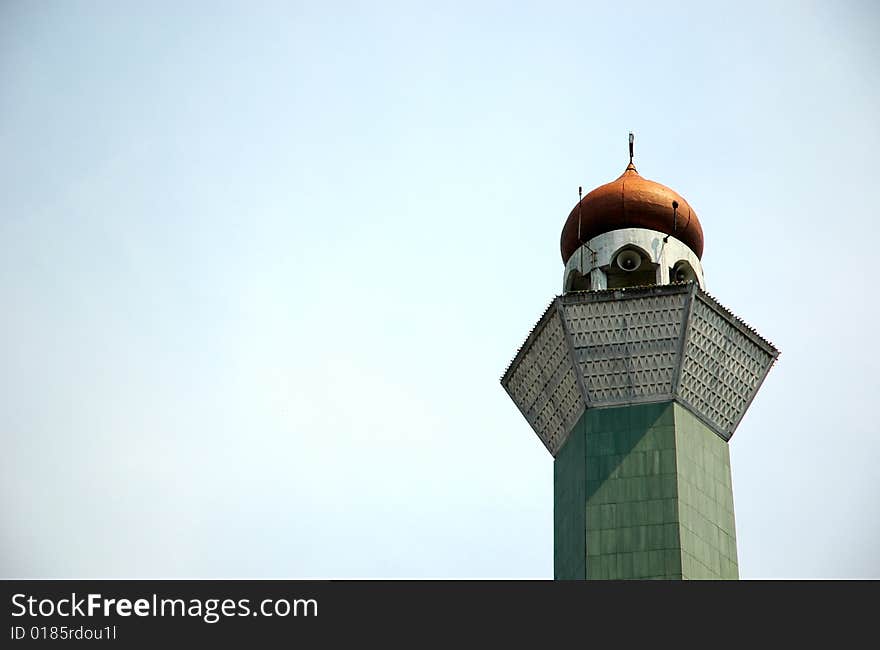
635, 379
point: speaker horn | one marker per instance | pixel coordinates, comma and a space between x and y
629, 260
683, 272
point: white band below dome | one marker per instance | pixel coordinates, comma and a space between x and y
596, 255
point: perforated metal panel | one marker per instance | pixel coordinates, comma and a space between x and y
543, 382
598, 349
626, 349
723, 366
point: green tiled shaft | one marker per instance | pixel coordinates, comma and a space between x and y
643, 491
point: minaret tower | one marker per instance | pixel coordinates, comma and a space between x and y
635, 379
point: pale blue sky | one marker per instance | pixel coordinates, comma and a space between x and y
262, 265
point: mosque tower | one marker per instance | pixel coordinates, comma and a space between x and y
635, 379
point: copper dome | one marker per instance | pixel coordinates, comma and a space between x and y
631, 202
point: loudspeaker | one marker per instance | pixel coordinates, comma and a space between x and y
629, 260
682, 272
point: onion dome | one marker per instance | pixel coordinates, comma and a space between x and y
631, 202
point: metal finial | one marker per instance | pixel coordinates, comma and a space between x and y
674, 216
631, 140
580, 199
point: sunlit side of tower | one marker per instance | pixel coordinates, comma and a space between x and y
635, 379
